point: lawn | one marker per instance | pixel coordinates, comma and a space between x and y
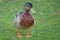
47, 19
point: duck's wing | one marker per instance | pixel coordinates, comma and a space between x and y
17, 18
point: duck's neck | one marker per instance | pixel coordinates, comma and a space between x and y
25, 11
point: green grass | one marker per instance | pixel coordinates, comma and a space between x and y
47, 18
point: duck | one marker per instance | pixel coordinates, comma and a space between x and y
24, 20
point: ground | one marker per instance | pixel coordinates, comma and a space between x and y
46, 15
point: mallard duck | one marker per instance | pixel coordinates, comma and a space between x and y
24, 19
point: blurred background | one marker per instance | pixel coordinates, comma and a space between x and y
45, 12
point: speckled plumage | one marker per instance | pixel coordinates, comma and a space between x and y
23, 22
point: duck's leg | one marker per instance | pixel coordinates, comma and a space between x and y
28, 34
18, 33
